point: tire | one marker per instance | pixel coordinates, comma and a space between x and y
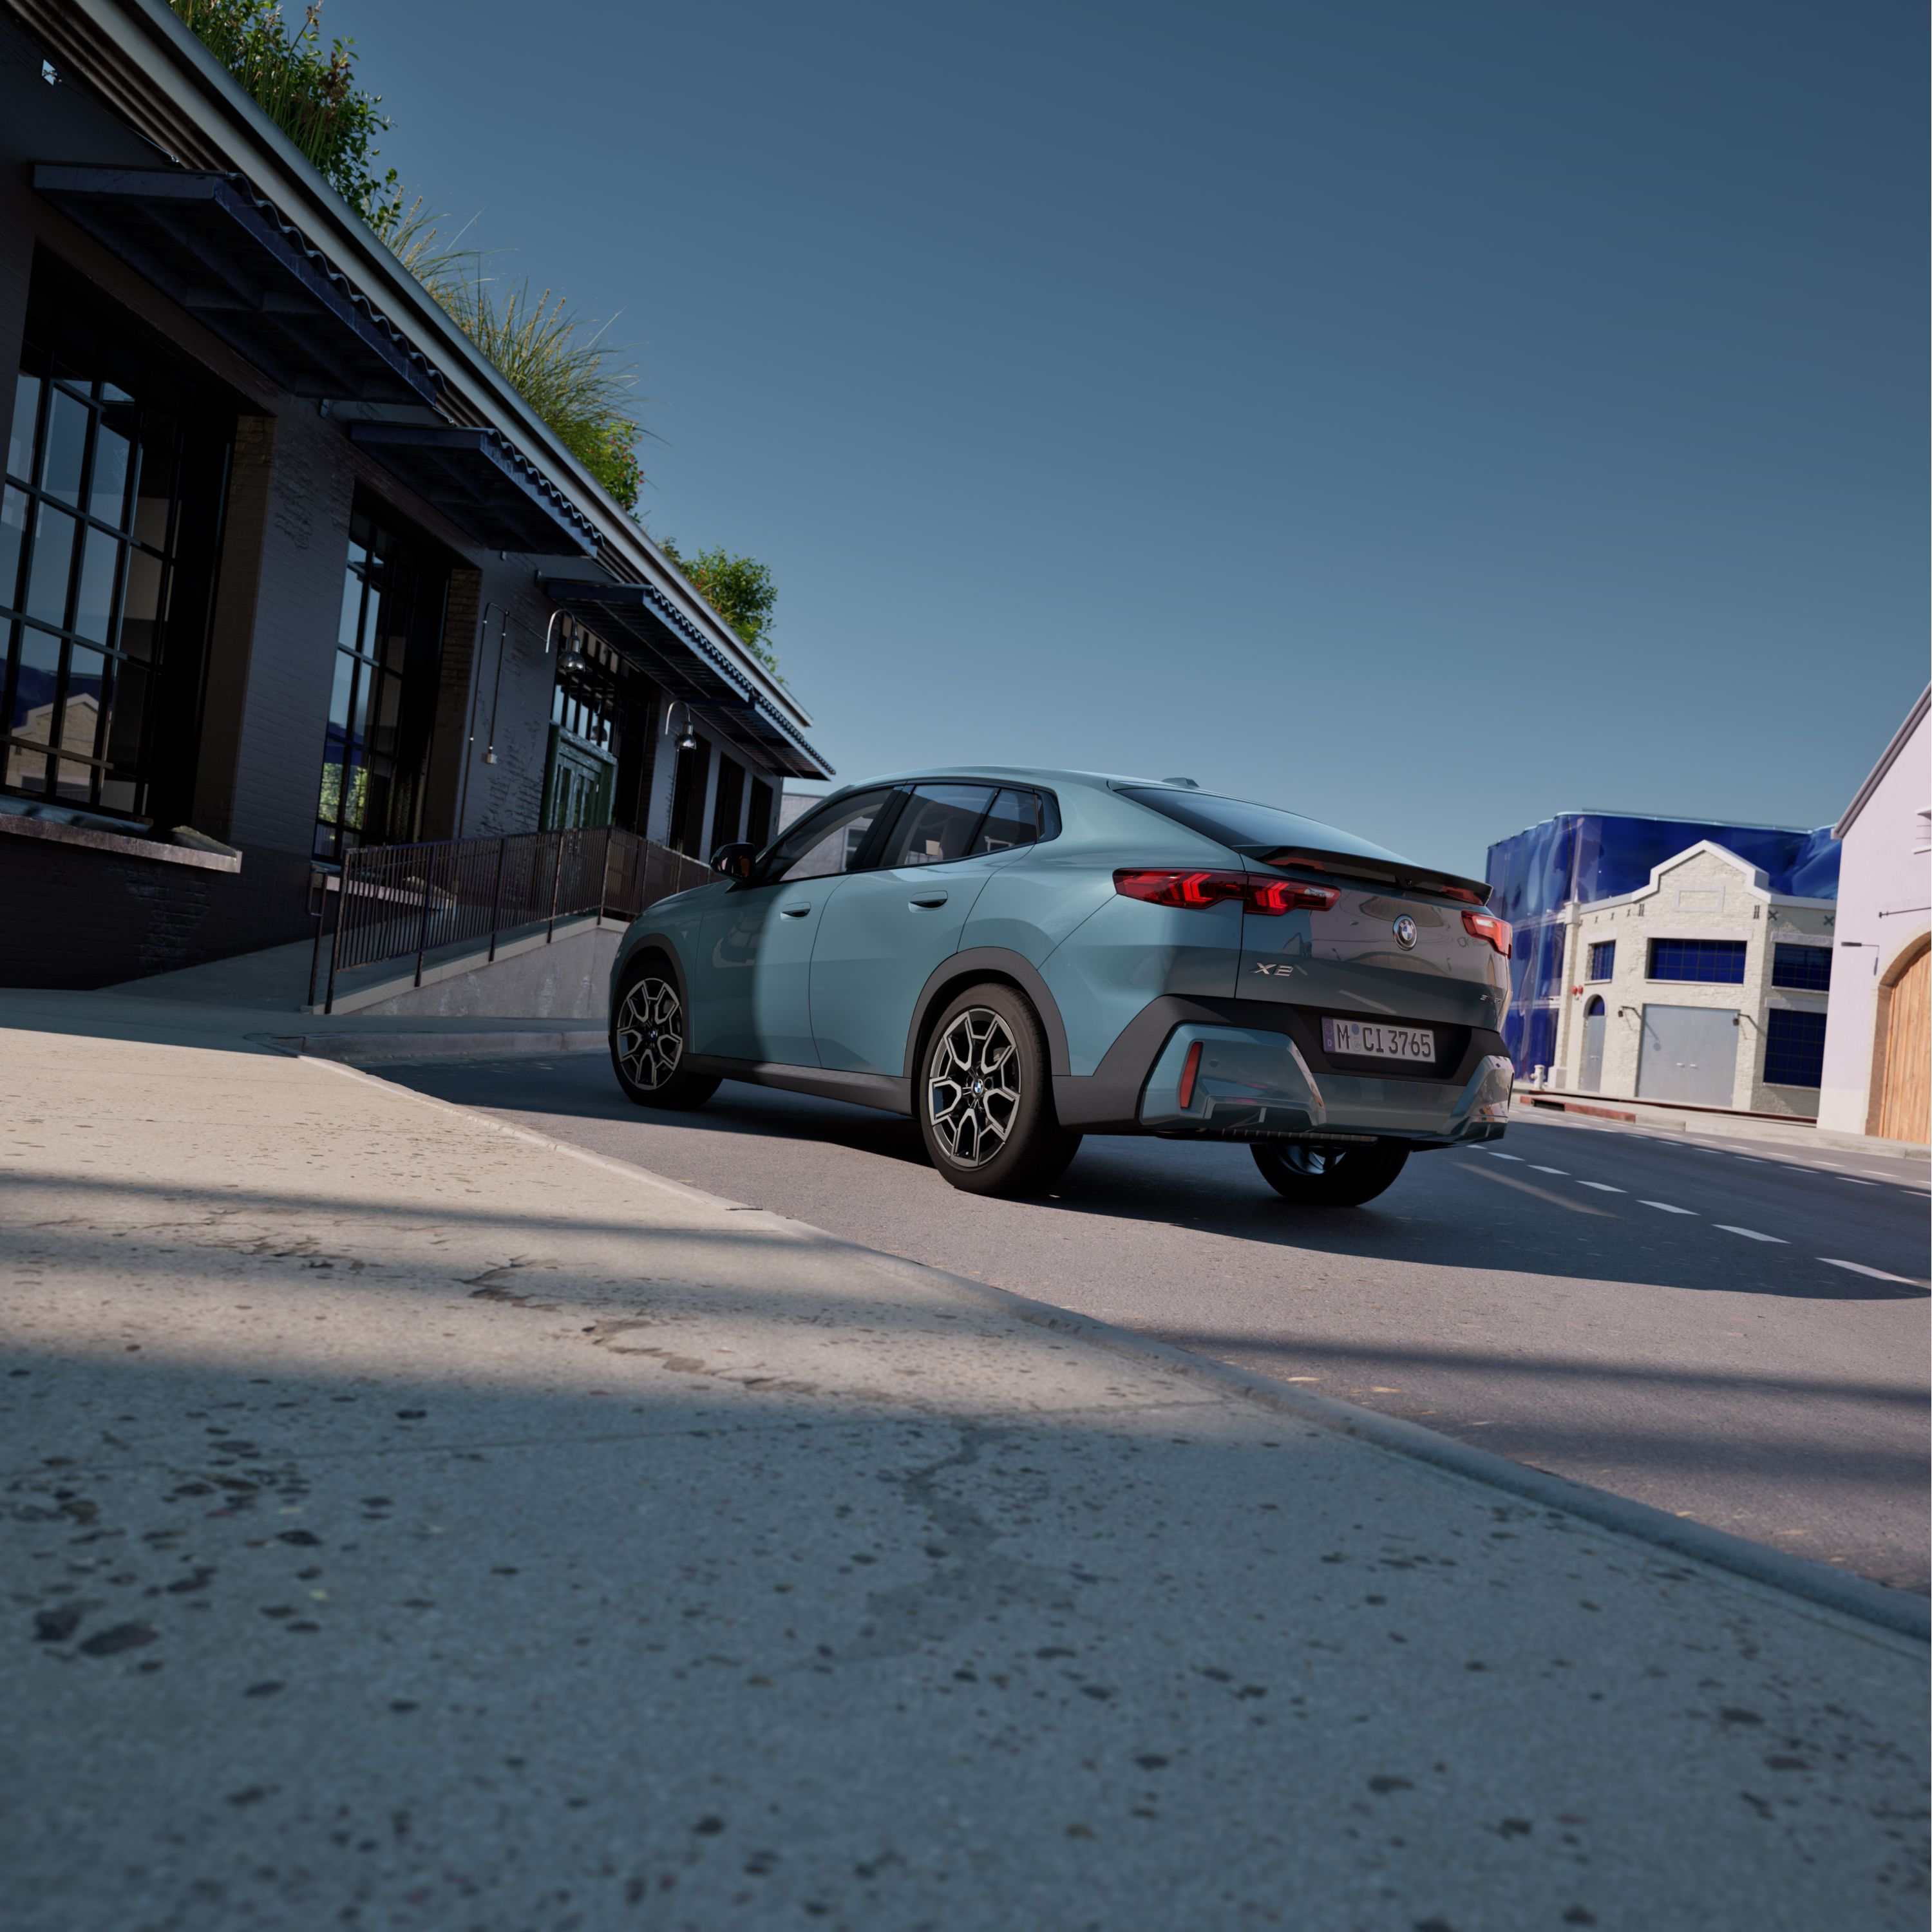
647, 1031
984, 1096
1338, 1177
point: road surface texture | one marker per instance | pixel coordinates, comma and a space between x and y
413, 1526
1735, 1332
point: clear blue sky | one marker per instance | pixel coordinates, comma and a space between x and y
1426, 416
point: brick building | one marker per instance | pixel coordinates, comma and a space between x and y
286, 568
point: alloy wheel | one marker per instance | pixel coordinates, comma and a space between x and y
650, 1033
973, 1087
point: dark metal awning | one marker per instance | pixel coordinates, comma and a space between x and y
476, 478
645, 624
209, 243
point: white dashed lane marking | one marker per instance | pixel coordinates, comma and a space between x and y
1534, 1168
1751, 1233
1859, 1268
1664, 1206
1601, 1186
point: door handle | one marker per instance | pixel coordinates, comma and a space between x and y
795, 911
928, 899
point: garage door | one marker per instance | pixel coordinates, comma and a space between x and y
1690, 1054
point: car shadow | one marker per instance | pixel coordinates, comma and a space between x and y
1191, 1188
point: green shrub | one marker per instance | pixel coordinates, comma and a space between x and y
309, 94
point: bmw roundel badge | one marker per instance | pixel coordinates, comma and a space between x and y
1404, 930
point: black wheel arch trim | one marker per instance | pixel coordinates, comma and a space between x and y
987, 962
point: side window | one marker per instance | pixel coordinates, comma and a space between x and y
1013, 820
936, 824
825, 842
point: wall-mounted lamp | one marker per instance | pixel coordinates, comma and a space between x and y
688, 743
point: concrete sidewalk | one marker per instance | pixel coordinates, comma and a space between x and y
416, 1525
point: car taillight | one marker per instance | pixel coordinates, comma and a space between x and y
1486, 926
1162, 887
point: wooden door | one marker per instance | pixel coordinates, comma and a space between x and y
1904, 1098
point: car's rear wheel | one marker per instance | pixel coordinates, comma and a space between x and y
1330, 1176
985, 1096
647, 1036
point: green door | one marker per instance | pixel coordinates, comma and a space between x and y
577, 784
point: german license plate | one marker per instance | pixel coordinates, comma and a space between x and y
1375, 1040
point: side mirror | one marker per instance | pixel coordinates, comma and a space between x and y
734, 861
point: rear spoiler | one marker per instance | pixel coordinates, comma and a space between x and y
1342, 868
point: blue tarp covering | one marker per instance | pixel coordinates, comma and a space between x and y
1588, 856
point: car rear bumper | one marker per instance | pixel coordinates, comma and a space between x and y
1256, 1082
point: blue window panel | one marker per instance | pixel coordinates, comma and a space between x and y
1539, 1037
1805, 968
1794, 1048
1714, 962
1603, 959
1549, 961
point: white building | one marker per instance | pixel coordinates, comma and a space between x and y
1878, 1045
1703, 988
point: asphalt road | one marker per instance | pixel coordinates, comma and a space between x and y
1733, 1331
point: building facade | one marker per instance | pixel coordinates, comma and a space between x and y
1706, 984
286, 567
1878, 1047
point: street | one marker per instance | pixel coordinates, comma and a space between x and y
1731, 1330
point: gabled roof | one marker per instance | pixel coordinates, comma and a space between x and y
1887, 758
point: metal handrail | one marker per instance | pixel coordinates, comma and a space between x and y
394, 901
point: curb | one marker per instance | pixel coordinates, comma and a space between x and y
1899, 1612
346, 1046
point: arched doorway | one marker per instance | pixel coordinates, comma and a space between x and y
1594, 1020
1901, 1102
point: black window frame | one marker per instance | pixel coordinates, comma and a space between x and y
382, 550
81, 351
1605, 950
1732, 951
1780, 1054
1814, 975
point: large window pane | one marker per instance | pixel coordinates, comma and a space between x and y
351, 610
1717, 962
31, 714
53, 560
141, 609
26, 420
93, 601
129, 715
113, 449
61, 460
155, 500
74, 445
12, 543
80, 711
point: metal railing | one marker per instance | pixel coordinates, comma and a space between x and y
394, 902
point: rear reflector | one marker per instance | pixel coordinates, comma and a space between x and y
1486, 926
1190, 1072
1268, 896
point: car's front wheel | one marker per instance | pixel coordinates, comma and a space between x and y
647, 1036
985, 1096
1329, 1176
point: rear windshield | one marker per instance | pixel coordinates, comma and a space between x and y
1254, 830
